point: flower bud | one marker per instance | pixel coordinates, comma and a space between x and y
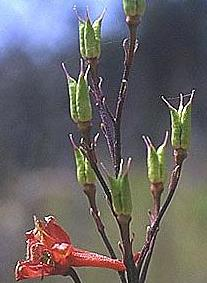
84, 172
156, 161
90, 37
180, 123
134, 8
120, 191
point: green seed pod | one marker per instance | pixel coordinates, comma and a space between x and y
134, 7
186, 124
85, 173
90, 37
72, 86
153, 169
180, 123
83, 104
81, 38
120, 191
116, 196
155, 161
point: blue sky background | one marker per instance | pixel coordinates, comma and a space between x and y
48, 24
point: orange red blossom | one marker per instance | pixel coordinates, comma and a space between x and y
50, 252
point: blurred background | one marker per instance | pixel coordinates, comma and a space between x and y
36, 161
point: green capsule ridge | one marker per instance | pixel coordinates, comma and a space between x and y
81, 38
90, 40
80, 166
134, 7
186, 124
72, 87
89, 172
97, 32
126, 198
120, 191
156, 161
90, 37
180, 123
116, 195
83, 103
161, 158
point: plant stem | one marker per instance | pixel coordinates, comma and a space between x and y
73, 274
90, 191
128, 61
124, 225
148, 259
179, 156
104, 113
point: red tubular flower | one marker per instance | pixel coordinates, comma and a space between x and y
50, 252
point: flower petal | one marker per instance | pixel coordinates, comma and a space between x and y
56, 231
27, 270
80, 258
49, 232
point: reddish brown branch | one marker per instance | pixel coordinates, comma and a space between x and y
73, 274
124, 226
128, 61
146, 252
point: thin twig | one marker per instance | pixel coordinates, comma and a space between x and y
90, 193
124, 226
129, 56
148, 259
73, 274
103, 109
89, 153
174, 179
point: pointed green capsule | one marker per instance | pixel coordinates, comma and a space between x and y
120, 191
134, 8
156, 161
79, 96
90, 37
84, 172
180, 123
83, 103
